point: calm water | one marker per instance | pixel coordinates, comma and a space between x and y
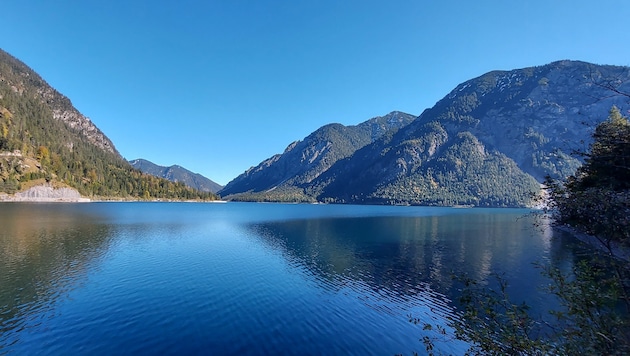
190, 278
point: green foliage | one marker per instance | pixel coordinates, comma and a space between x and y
284, 194
464, 174
556, 164
9, 185
593, 319
429, 169
608, 163
493, 325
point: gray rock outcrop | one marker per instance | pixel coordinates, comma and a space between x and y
46, 193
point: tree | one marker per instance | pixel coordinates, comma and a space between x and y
596, 200
608, 163
43, 153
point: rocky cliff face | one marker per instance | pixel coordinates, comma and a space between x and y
544, 113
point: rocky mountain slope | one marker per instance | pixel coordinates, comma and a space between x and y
177, 173
489, 142
280, 177
43, 138
22, 81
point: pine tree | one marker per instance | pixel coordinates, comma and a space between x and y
596, 199
608, 163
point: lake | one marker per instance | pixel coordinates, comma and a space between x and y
248, 278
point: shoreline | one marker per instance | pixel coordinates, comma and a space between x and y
616, 250
5, 198
48, 193
45, 193
44, 200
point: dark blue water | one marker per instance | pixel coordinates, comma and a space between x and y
193, 278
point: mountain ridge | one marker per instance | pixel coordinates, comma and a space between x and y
529, 116
304, 160
176, 173
489, 142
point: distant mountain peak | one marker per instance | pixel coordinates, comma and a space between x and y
304, 160
177, 173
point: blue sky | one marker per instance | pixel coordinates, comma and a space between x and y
218, 86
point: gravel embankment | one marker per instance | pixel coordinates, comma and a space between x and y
45, 193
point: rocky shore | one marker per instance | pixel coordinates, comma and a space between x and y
45, 193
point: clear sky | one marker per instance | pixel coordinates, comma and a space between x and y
218, 86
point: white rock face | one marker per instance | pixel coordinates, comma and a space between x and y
46, 193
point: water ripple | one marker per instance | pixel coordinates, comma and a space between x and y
228, 279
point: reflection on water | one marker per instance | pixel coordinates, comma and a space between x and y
425, 249
44, 251
253, 278
416, 258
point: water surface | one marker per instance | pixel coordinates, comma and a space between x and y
195, 278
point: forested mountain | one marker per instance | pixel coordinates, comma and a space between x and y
281, 177
177, 173
489, 142
43, 138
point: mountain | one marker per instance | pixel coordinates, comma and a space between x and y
177, 173
489, 142
44, 139
281, 177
